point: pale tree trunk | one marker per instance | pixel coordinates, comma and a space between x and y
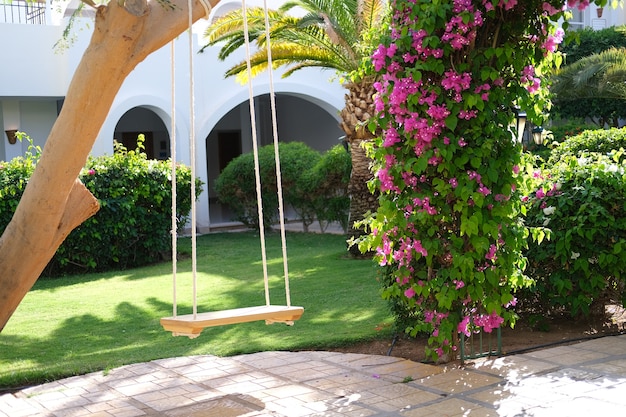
54, 201
354, 118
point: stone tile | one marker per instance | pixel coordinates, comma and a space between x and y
244, 387
613, 368
512, 368
407, 402
400, 370
287, 391
453, 407
131, 390
459, 380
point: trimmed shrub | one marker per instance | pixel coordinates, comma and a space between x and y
132, 227
563, 131
590, 41
331, 176
236, 185
601, 141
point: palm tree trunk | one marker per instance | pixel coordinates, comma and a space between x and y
355, 117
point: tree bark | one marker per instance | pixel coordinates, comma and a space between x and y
354, 118
54, 201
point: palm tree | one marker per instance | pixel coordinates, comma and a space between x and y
332, 34
593, 86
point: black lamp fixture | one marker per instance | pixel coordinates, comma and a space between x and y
538, 135
11, 135
520, 124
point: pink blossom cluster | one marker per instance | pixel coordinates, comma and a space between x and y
385, 177
505, 4
406, 251
541, 193
532, 82
460, 30
420, 51
484, 321
488, 322
551, 10
553, 41
579, 4
456, 83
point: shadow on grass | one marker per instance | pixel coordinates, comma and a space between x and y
340, 296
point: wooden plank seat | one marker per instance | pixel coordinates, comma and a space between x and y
187, 325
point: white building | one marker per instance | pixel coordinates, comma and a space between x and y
35, 77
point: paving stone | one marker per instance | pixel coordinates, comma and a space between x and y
587, 378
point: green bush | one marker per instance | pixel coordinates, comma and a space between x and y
132, 227
14, 175
590, 41
329, 185
565, 130
236, 185
581, 200
601, 141
602, 110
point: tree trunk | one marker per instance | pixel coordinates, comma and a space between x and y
54, 201
355, 116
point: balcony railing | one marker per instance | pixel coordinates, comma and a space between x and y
22, 11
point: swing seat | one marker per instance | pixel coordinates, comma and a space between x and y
187, 325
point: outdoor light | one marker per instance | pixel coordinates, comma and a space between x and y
344, 141
11, 135
520, 124
538, 135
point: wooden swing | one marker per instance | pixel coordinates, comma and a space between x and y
191, 325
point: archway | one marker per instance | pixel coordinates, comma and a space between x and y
141, 120
299, 118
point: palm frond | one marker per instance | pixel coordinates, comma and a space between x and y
325, 36
283, 55
600, 75
371, 13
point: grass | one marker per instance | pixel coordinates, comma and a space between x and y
80, 324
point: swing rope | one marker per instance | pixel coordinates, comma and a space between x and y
174, 185
281, 211
192, 157
192, 325
255, 150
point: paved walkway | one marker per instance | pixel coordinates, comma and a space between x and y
584, 379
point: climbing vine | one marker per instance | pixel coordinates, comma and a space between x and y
449, 231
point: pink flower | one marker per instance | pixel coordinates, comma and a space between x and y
550, 9
491, 254
378, 57
552, 41
91, 172
409, 293
454, 182
463, 326
391, 137
484, 190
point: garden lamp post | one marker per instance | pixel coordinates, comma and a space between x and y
520, 124
538, 135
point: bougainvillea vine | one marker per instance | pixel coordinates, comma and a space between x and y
448, 230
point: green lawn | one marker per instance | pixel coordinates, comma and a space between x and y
79, 324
